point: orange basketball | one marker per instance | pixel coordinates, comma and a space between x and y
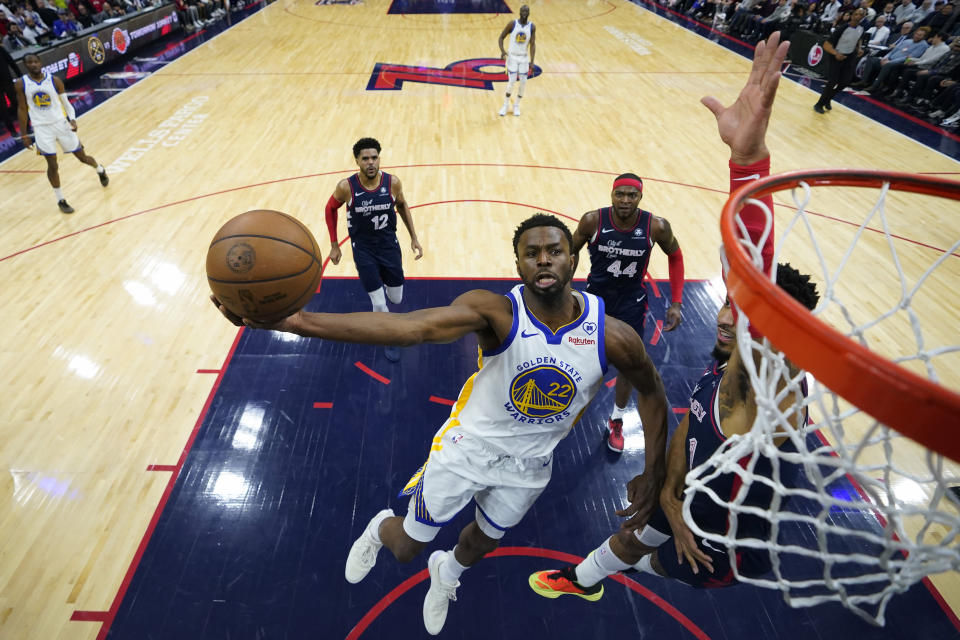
263, 265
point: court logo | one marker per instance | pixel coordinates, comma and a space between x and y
96, 50
241, 257
815, 55
471, 74
542, 392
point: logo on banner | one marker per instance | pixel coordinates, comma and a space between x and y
463, 73
74, 65
96, 50
120, 39
815, 55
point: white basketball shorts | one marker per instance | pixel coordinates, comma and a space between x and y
516, 64
461, 467
48, 135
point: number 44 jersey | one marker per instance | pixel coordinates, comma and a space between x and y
619, 258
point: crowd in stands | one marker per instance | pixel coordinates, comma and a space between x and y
911, 48
29, 23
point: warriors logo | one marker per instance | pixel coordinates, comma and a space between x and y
542, 392
95, 48
241, 257
41, 99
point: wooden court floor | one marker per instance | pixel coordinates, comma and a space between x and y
107, 326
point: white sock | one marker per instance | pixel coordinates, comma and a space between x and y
646, 565
378, 300
617, 413
58, 193
375, 533
395, 294
450, 569
100, 169
601, 563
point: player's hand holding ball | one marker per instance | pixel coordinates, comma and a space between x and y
263, 267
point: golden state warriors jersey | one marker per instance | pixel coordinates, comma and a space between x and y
531, 390
519, 44
43, 101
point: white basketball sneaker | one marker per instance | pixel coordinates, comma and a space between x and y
516, 109
438, 598
503, 110
363, 553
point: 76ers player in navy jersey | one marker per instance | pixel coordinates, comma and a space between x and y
620, 239
374, 198
723, 403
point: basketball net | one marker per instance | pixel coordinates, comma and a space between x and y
872, 512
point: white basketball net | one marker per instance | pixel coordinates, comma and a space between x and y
874, 513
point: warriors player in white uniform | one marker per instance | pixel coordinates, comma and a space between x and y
518, 55
43, 99
543, 352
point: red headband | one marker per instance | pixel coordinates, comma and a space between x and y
628, 182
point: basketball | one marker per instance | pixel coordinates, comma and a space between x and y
263, 265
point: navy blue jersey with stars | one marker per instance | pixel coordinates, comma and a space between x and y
372, 213
619, 257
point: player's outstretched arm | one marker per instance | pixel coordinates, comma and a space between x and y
671, 501
625, 351
743, 125
406, 216
473, 311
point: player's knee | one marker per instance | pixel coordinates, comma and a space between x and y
407, 549
475, 543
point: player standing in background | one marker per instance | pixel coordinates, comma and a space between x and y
42, 99
518, 56
620, 239
373, 200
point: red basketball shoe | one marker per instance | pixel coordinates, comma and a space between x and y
615, 437
553, 584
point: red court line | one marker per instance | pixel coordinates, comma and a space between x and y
657, 332
610, 382
322, 405
138, 555
370, 372
439, 400
534, 552
163, 467
449, 164
208, 370
90, 616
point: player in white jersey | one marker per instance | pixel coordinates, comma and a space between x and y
42, 99
543, 351
518, 56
